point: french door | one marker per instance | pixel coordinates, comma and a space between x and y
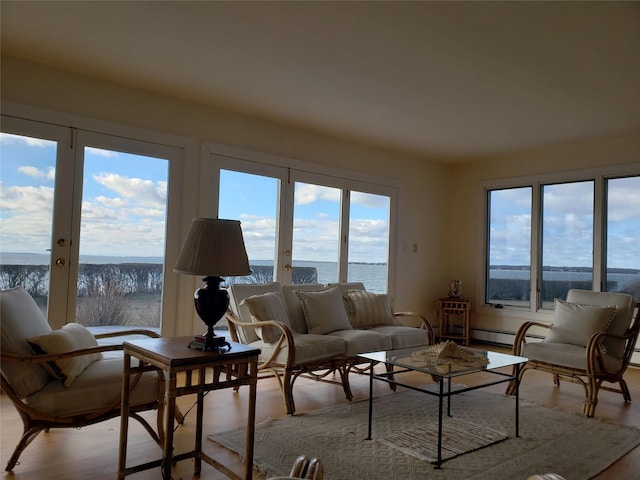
84, 223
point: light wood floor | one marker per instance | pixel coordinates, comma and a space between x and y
92, 452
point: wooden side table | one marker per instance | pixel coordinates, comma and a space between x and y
454, 320
203, 373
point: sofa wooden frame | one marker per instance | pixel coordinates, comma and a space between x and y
286, 373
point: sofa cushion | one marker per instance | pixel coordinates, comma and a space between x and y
575, 324
237, 293
70, 337
324, 310
403, 336
296, 313
362, 341
265, 307
20, 318
309, 348
367, 309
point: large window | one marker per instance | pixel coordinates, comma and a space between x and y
567, 240
307, 227
623, 236
509, 241
545, 238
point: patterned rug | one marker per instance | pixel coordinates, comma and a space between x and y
550, 441
458, 437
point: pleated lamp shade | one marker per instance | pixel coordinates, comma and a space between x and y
213, 248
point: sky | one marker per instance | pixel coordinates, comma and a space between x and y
124, 208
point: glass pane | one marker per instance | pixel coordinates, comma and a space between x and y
26, 212
316, 235
252, 199
509, 247
567, 239
122, 239
623, 236
369, 240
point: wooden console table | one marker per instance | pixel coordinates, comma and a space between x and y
204, 371
454, 320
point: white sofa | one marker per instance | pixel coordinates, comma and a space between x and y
317, 330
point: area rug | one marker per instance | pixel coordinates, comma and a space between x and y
458, 437
550, 441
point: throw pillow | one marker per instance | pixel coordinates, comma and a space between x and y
367, 309
324, 310
72, 336
265, 307
575, 324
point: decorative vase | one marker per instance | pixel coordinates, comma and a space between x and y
455, 288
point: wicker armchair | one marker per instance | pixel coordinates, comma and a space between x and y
603, 356
45, 402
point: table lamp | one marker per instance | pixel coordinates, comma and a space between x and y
213, 248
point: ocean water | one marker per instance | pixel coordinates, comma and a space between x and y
374, 276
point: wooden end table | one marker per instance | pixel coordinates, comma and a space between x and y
203, 373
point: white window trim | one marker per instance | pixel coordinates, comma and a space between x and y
598, 175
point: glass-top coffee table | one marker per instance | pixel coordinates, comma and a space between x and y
409, 360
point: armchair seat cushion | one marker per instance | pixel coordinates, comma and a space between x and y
565, 355
98, 387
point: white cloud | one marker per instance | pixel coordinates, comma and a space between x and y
100, 152
35, 172
10, 139
307, 193
144, 192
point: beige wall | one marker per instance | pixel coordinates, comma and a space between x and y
440, 205
421, 276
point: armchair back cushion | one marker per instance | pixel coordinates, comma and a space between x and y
21, 319
70, 337
621, 321
574, 323
268, 306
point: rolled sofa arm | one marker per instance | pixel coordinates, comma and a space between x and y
285, 340
421, 319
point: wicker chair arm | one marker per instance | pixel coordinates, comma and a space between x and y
595, 347
286, 336
50, 357
522, 333
425, 324
133, 331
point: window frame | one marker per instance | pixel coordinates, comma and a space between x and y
599, 176
288, 170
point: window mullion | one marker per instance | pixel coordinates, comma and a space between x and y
536, 245
599, 243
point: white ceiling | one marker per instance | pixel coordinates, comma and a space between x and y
447, 79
